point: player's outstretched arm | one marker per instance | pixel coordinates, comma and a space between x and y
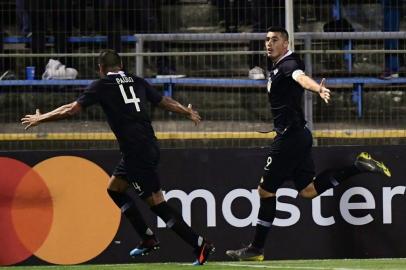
308, 83
172, 105
31, 120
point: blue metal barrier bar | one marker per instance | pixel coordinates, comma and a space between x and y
208, 82
169, 84
73, 39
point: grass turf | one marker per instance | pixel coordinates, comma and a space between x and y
364, 264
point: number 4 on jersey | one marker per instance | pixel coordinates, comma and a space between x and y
133, 98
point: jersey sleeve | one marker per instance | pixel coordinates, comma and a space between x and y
292, 66
152, 94
89, 96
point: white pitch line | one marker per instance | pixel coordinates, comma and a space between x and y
287, 267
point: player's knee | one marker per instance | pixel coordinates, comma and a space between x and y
155, 198
117, 184
308, 192
265, 194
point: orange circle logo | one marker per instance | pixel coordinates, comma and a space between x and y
58, 210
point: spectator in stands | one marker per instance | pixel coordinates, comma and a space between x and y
142, 16
264, 13
42, 13
290, 155
340, 24
23, 18
391, 23
231, 13
5, 62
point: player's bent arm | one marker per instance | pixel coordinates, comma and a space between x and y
172, 105
62, 112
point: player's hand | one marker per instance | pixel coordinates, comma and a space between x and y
31, 120
193, 115
324, 92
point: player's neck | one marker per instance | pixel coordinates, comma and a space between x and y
283, 55
114, 70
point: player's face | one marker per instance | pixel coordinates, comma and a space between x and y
276, 45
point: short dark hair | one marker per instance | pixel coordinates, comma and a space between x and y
279, 29
109, 58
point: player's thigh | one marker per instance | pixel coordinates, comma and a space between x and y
118, 184
119, 181
277, 167
304, 174
155, 198
143, 175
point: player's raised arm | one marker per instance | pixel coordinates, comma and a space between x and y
172, 105
309, 84
31, 120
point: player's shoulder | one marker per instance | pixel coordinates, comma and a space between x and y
140, 81
136, 78
95, 84
292, 61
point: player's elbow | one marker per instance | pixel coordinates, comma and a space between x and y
165, 102
72, 108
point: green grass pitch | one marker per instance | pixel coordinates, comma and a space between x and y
364, 264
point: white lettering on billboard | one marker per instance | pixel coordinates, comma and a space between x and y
186, 202
316, 210
293, 210
252, 197
346, 205
387, 195
348, 209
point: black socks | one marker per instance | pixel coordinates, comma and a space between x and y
130, 210
175, 222
333, 177
266, 216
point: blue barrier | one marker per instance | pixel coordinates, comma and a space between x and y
73, 39
356, 82
225, 82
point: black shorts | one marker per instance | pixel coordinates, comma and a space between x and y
139, 169
290, 158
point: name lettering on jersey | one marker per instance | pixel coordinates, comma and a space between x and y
124, 79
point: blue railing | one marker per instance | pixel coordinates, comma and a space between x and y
357, 84
73, 39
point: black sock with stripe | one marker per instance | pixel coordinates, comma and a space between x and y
266, 216
130, 210
333, 177
175, 222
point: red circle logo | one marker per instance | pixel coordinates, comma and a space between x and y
58, 210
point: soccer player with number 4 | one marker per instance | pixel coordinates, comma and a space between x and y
290, 156
123, 98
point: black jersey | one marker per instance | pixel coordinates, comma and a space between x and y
285, 94
123, 98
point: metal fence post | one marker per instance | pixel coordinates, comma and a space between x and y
139, 47
308, 96
289, 22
